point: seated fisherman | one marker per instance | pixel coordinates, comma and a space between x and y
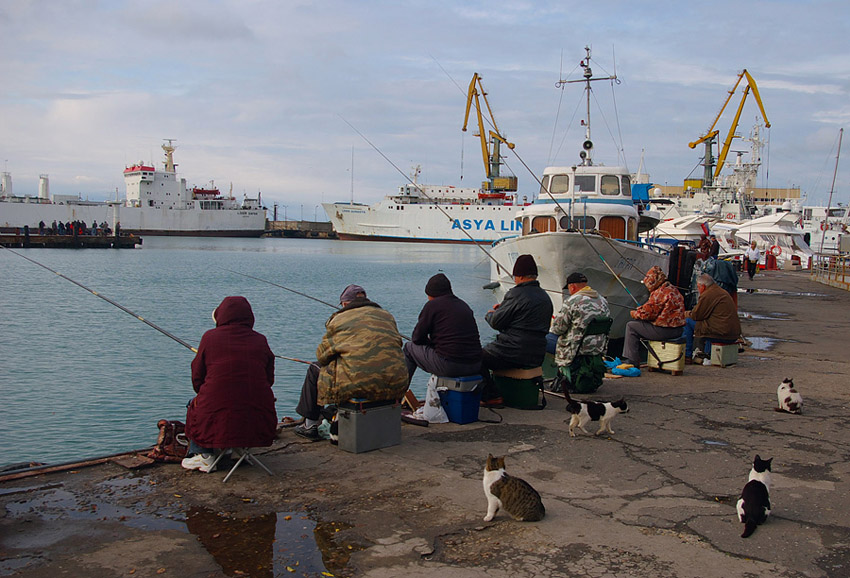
360, 356
522, 320
661, 318
578, 310
232, 374
445, 340
713, 319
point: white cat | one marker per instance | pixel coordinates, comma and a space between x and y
789, 400
754, 506
586, 411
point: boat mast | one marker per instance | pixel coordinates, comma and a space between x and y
831, 190
587, 145
169, 158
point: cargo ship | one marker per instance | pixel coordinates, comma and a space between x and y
157, 202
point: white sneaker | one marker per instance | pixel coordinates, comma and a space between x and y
201, 462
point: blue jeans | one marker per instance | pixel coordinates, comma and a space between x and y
702, 343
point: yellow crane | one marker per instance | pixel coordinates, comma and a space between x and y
495, 183
710, 135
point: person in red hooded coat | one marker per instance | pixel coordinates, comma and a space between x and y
232, 374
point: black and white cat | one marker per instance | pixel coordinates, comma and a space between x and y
754, 505
789, 400
586, 411
514, 495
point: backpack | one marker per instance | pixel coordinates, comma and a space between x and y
171, 445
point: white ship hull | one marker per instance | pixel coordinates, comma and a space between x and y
422, 222
560, 253
139, 220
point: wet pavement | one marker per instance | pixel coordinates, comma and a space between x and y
657, 498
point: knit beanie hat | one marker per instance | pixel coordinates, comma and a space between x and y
525, 267
438, 285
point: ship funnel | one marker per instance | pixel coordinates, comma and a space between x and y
43, 188
6, 185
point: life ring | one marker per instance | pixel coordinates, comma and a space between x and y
730, 216
776, 250
823, 226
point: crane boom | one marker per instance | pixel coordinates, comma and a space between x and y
492, 160
711, 134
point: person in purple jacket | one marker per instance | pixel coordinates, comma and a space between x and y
445, 340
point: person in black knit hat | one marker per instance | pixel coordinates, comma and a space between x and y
522, 320
445, 340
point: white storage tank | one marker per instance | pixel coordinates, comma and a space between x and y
43, 188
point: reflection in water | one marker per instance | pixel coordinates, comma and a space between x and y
271, 544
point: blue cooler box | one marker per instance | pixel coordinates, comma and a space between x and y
461, 407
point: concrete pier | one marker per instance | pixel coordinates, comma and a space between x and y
656, 499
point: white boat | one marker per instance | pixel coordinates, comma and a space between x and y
427, 213
826, 228
778, 235
157, 202
583, 220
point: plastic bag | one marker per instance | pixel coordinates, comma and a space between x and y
432, 411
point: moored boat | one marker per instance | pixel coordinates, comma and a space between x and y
584, 220
157, 202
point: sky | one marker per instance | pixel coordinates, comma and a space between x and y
311, 101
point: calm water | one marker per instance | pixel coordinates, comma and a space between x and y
81, 378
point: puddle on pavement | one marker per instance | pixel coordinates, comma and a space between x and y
766, 343
268, 545
714, 443
763, 317
272, 544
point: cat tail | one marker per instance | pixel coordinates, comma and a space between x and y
749, 528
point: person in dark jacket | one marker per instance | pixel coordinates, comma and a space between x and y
445, 340
522, 320
715, 247
232, 374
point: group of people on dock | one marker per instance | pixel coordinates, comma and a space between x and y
78, 228
363, 356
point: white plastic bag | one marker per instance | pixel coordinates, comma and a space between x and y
432, 411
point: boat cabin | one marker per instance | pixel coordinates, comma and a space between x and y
583, 198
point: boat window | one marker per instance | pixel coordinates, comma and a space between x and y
632, 229
627, 186
543, 224
585, 184
526, 225
584, 223
610, 185
613, 227
564, 222
556, 183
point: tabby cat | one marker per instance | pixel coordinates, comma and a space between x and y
514, 495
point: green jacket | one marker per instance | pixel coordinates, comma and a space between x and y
571, 321
361, 355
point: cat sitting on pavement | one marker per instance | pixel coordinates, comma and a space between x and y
754, 505
514, 495
583, 412
789, 400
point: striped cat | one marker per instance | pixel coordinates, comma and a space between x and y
511, 494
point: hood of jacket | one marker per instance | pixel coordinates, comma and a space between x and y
234, 311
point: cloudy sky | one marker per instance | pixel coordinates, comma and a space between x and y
270, 95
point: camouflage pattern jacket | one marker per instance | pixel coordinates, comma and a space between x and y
571, 321
361, 355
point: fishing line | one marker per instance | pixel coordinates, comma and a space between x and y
128, 311
337, 307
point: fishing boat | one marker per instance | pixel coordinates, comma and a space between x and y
157, 202
583, 220
427, 213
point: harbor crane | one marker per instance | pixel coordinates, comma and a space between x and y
711, 171
496, 185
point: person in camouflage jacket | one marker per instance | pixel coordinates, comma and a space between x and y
583, 304
360, 356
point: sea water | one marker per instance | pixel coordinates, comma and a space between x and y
81, 378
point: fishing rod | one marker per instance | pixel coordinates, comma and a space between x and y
128, 311
337, 307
